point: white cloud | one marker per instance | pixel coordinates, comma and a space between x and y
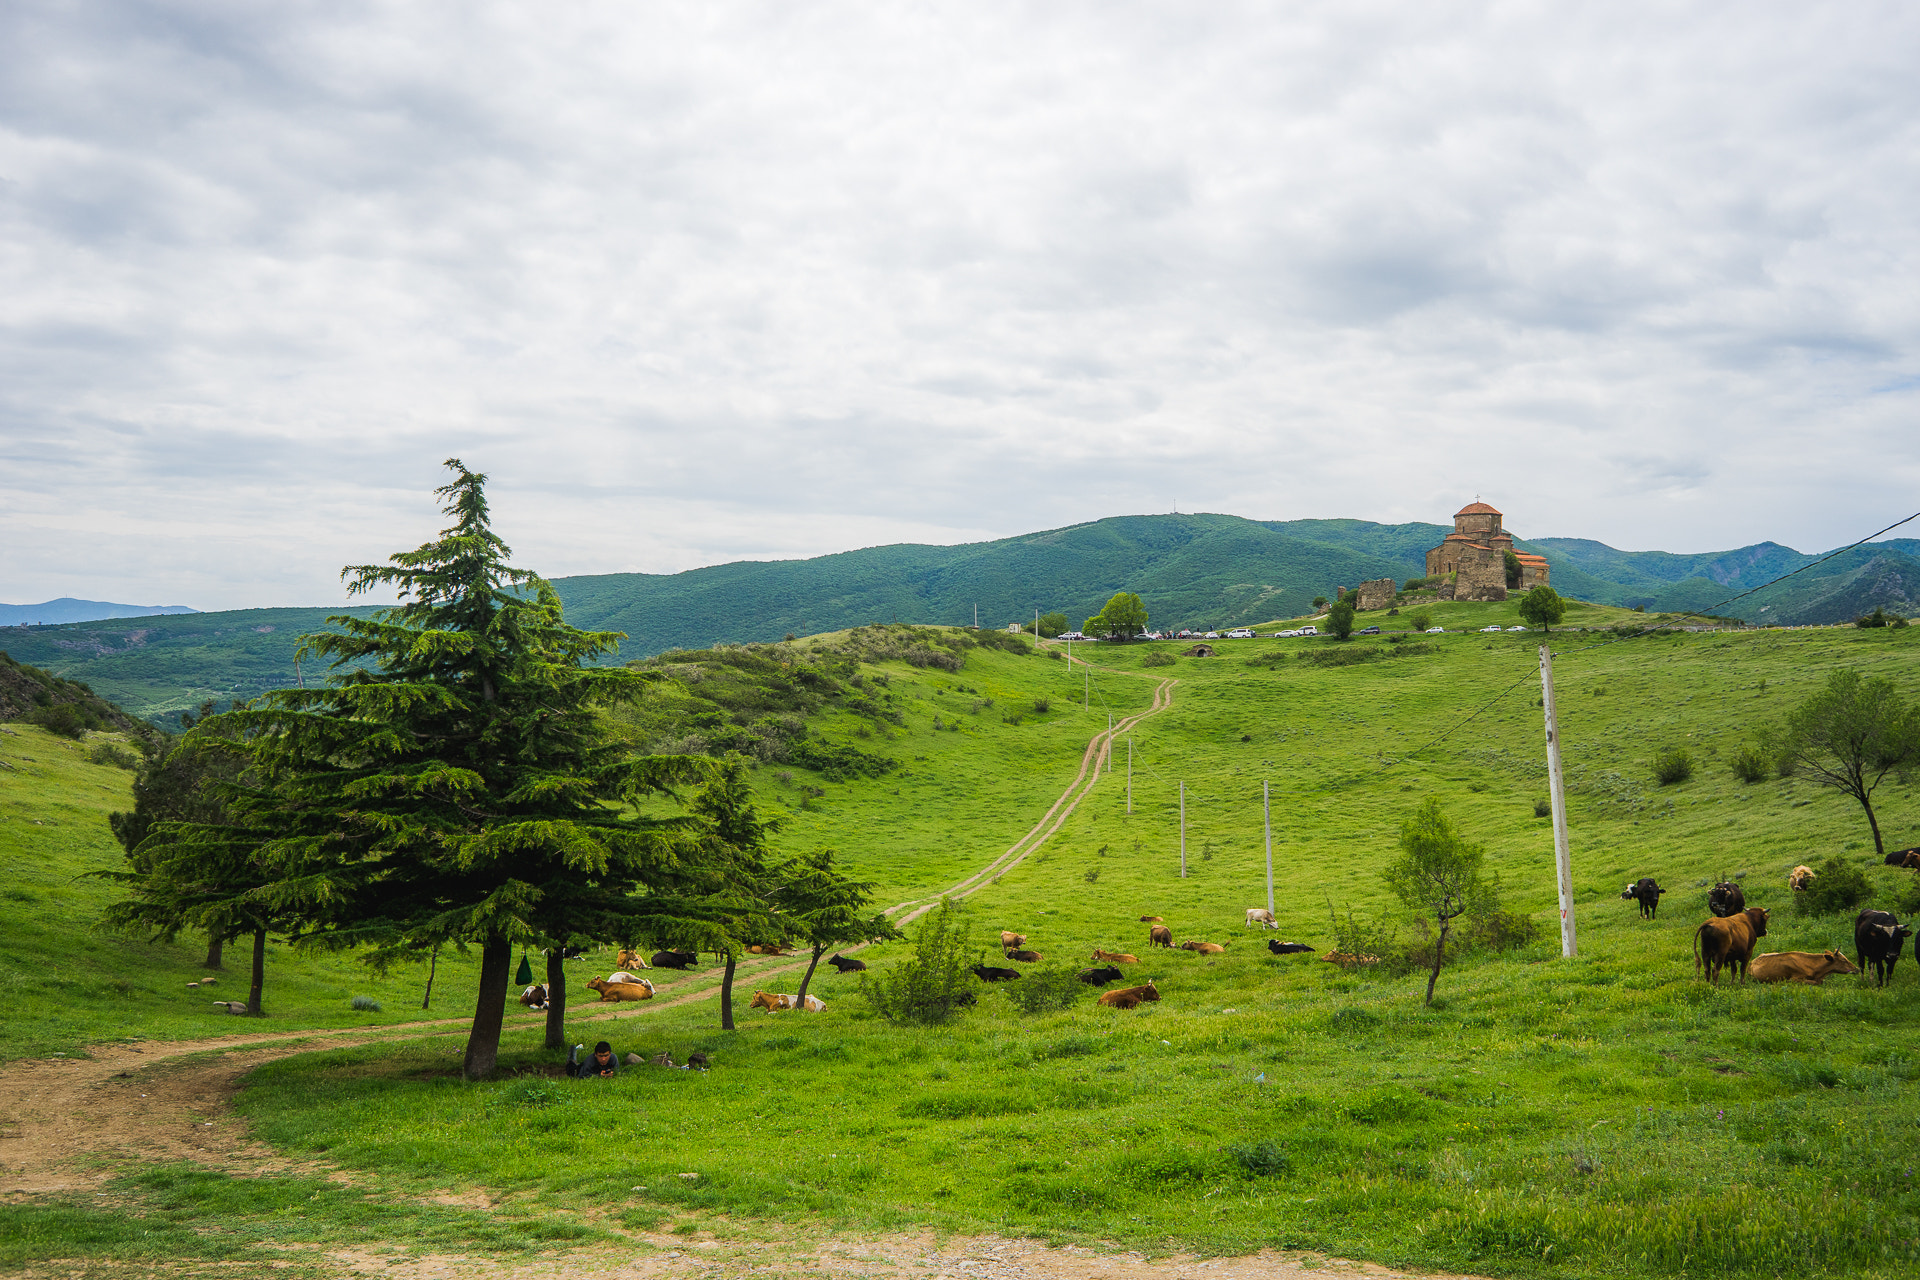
710, 281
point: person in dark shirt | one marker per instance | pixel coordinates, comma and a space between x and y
601, 1064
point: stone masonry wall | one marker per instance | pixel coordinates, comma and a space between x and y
1483, 576
1376, 594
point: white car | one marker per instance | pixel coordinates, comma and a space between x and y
1308, 631
1436, 631
1239, 633
1494, 627
1071, 635
1211, 635
1516, 628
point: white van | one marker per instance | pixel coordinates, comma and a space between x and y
1239, 633
1308, 630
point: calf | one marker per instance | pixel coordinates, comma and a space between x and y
1115, 957
535, 996
1159, 936
773, 1000
1099, 977
1799, 966
987, 974
1876, 942
845, 965
1904, 857
1725, 899
1026, 957
1798, 879
1204, 948
1647, 894
1280, 948
1150, 919
1726, 942
1011, 940
673, 959
1129, 997
629, 960
1261, 916
615, 992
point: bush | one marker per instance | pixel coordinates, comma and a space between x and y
1543, 808
1421, 620
1673, 765
64, 719
1880, 618
1041, 706
1413, 584
1044, 990
1159, 660
1262, 1159
366, 1004
1839, 887
115, 755
1751, 764
932, 984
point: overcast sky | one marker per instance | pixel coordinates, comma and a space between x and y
712, 281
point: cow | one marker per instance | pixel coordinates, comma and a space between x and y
1008, 941
1799, 878
1280, 948
1159, 936
845, 965
1647, 894
535, 996
1809, 967
1099, 977
987, 974
621, 975
1151, 919
1026, 957
1725, 899
1204, 948
1115, 957
1129, 997
615, 992
1261, 916
1876, 942
673, 959
629, 959
238, 1008
1904, 857
1726, 942
769, 949
773, 1000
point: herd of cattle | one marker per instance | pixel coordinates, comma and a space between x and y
1726, 939
624, 984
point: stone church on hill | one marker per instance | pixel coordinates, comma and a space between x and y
1475, 554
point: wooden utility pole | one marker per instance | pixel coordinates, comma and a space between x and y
1183, 831
1109, 742
1562, 859
1129, 775
1266, 811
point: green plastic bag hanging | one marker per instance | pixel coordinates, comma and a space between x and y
525, 975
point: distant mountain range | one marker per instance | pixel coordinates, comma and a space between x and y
1190, 570
67, 609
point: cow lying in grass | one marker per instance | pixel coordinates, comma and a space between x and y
844, 965
1810, 967
1026, 957
1130, 997
629, 960
535, 996
1099, 977
612, 992
1799, 878
988, 973
1115, 957
1204, 948
1287, 948
773, 1000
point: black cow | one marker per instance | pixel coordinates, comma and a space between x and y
845, 965
1287, 948
1904, 857
1647, 894
1725, 899
986, 974
673, 959
1876, 941
1099, 977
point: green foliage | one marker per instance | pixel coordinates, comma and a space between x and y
1543, 808
1879, 618
365, 1004
824, 908
1319, 602
64, 718
1542, 607
1158, 658
1839, 887
1420, 620
1514, 571
1340, 620
1673, 765
1052, 624
1851, 734
1123, 617
932, 984
838, 763
1044, 990
114, 756
1440, 873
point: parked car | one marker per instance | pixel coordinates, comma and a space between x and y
1436, 631
1211, 635
1185, 634
1516, 628
1368, 631
1071, 635
1239, 633
1308, 631
1494, 627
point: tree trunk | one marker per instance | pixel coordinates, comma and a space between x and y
259, 973
556, 999
817, 953
726, 995
1439, 957
433, 965
489, 1008
215, 945
1879, 848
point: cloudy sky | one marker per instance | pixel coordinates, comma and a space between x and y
710, 281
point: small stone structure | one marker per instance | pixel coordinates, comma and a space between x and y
1376, 593
1475, 553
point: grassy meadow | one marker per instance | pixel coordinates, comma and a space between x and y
1611, 1114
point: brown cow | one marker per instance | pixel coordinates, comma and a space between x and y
1151, 919
1026, 957
1727, 942
614, 992
1204, 948
1799, 966
628, 959
1797, 879
535, 996
1115, 957
774, 1001
1129, 997
1010, 940
1160, 936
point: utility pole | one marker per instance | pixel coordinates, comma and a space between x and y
1562, 859
1109, 742
1183, 831
1266, 809
1129, 775
976, 615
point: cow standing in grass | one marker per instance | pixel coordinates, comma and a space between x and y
1647, 894
1726, 942
1876, 943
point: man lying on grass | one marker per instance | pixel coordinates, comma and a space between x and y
600, 1065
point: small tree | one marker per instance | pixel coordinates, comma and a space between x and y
1052, 624
1542, 607
1513, 570
1850, 735
736, 839
1438, 871
1319, 602
826, 907
1838, 887
1340, 619
1420, 620
934, 982
1124, 616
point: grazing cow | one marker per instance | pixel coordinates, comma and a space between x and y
1261, 916
1876, 942
773, 1000
845, 965
1129, 997
1726, 942
1115, 957
1725, 899
614, 992
1904, 857
535, 996
987, 974
1204, 948
1150, 919
673, 959
1010, 940
1810, 967
1799, 878
697, 1060
1280, 948
1026, 957
1099, 977
1160, 936
1647, 894
629, 960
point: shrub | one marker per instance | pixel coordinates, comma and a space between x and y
1543, 808
1673, 765
64, 719
1044, 990
365, 1004
1751, 764
1880, 618
1041, 706
1838, 887
1413, 584
1421, 620
1262, 1159
1159, 660
932, 984
115, 755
